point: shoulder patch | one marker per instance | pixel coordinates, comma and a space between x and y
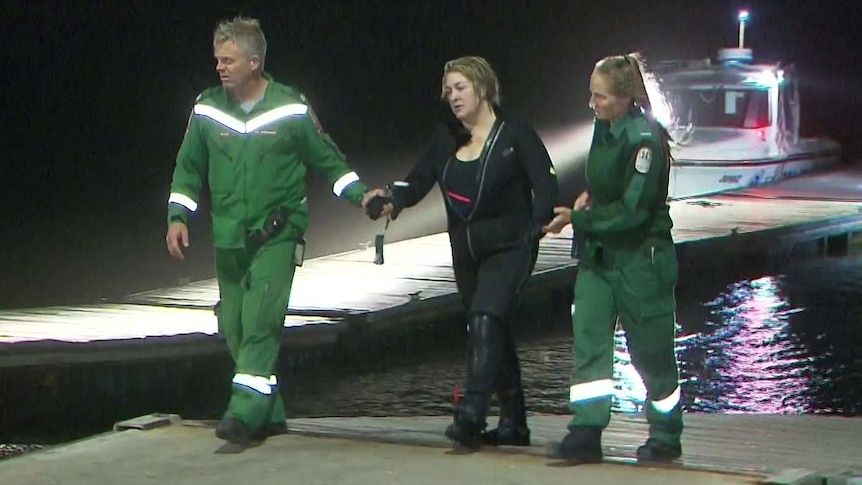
643, 159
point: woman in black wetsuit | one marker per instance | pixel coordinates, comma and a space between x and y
500, 188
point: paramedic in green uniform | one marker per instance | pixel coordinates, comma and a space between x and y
627, 269
252, 140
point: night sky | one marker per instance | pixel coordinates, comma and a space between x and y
95, 101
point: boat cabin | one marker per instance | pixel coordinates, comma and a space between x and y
729, 110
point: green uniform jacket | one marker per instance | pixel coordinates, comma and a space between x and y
254, 163
628, 173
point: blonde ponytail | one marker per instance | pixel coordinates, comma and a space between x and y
639, 91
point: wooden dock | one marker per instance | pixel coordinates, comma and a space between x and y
748, 444
334, 293
338, 298
739, 449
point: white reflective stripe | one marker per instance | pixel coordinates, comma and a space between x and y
253, 124
667, 404
591, 390
399, 183
183, 200
273, 380
343, 182
275, 115
220, 117
259, 384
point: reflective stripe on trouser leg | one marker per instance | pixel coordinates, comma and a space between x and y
264, 306
648, 317
257, 384
665, 418
593, 320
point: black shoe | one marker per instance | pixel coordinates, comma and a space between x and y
506, 436
657, 451
583, 444
466, 434
270, 430
233, 431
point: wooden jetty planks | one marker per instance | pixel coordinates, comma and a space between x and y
736, 443
349, 284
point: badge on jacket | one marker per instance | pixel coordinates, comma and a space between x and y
643, 160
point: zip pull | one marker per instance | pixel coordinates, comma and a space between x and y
652, 254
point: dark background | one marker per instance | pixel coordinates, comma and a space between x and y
95, 98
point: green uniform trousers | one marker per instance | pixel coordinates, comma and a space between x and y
254, 286
638, 287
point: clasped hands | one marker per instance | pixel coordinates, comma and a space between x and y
368, 199
563, 215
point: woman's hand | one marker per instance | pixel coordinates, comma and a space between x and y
562, 218
563, 215
583, 202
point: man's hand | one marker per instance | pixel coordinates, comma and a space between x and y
583, 202
371, 194
177, 239
562, 218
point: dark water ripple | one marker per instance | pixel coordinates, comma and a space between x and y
788, 340
785, 342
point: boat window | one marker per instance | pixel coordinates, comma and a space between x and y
721, 108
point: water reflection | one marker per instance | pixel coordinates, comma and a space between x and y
747, 360
783, 341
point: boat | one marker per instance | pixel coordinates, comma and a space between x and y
734, 122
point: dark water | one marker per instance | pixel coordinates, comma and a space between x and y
784, 341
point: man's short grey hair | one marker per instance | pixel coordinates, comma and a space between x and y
245, 32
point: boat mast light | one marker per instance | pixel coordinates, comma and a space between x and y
743, 18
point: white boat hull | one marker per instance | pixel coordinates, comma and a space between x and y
697, 178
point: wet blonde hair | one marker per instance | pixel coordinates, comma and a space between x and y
625, 74
246, 33
479, 72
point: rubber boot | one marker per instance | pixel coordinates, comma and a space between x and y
512, 428
484, 354
233, 431
583, 444
657, 451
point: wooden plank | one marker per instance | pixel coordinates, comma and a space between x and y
424, 264
729, 443
416, 270
113, 322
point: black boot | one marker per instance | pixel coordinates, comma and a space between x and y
466, 428
583, 444
484, 352
512, 429
657, 451
233, 431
